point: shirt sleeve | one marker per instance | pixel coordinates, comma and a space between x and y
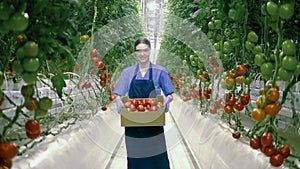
121, 87
165, 83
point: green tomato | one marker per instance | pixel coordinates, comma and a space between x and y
263, 9
6, 10
217, 46
17, 67
266, 69
286, 11
218, 24
248, 81
18, 22
31, 64
191, 57
210, 34
272, 8
227, 47
284, 74
31, 49
45, 103
211, 25
193, 63
259, 59
235, 42
289, 63
257, 49
249, 45
20, 53
232, 14
288, 47
29, 77
252, 37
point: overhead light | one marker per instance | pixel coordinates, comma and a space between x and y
152, 6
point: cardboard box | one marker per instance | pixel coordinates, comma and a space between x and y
150, 118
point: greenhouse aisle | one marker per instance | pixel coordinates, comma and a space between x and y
179, 154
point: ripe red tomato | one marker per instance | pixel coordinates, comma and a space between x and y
112, 97
213, 110
269, 151
8, 150
276, 160
236, 135
94, 52
19, 38
103, 108
33, 135
285, 151
228, 109
266, 139
241, 70
206, 94
239, 106
103, 77
102, 83
231, 101
255, 143
32, 126
245, 98
100, 65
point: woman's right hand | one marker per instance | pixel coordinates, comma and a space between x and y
119, 103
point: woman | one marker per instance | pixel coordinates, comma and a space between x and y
146, 146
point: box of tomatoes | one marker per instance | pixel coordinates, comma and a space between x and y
143, 112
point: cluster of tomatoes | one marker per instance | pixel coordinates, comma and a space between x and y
178, 80
27, 62
236, 76
264, 143
266, 103
195, 92
13, 18
142, 105
231, 102
8, 150
41, 106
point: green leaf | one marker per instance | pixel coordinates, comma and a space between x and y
58, 83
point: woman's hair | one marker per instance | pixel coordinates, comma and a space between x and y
143, 41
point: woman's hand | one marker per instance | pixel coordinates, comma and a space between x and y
167, 101
119, 103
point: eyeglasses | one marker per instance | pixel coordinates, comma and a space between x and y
143, 51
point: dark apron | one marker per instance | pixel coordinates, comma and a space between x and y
146, 146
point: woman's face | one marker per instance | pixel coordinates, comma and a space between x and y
142, 52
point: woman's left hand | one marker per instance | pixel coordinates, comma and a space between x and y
167, 101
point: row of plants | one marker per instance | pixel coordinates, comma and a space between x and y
41, 46
254, 41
